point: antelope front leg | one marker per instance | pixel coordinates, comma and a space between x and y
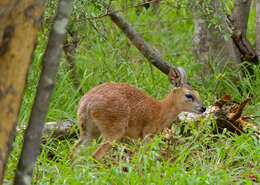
103, 148
149, 132
106, 146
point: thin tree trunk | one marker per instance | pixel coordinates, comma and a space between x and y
222, 50
209, 42
155, 6
46, 85
148, 52
257, 38
238, 23
200, 38
18, 29
246, 51
240, 14
69, 51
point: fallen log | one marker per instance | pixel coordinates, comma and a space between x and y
56, 129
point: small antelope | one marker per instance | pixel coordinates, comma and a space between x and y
119, 109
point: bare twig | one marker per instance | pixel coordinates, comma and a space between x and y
115, 11
108, 13
46, 85
250, 117
244, 124
222, 101
236, 110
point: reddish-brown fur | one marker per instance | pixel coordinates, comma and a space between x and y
119, 109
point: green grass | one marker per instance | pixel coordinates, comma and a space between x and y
107, 55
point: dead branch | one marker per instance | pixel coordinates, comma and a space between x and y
226, 117
148, 52
55, 129
224, 100
51, 59
250, 117
58, 129
236, 110
117, 11
247, 53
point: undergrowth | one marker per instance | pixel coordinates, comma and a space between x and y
104, 54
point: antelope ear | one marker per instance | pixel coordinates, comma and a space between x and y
177, 76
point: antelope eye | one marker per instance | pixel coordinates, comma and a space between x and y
189, 96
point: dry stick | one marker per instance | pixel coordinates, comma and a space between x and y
46, 85
139, 42
56, 129
108, 13
115, 11
236, 111
250, 117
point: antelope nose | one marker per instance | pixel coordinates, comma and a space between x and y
203, 108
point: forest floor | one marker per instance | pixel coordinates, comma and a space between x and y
104, 54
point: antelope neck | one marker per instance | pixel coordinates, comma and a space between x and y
169, 105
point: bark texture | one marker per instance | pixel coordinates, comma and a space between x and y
240, 14
237, 48
243, 46
238, 22
69, 48
222, 50
257, 38
200, 38
208, 40
19, 25
148, 52
46, 85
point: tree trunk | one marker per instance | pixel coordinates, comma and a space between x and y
240, 14
18, 28
238, 23
155, 6
209, 42
51, 59
200, 38
257, 38
222, 50
69, 49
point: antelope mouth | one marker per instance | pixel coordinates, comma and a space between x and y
201, 109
